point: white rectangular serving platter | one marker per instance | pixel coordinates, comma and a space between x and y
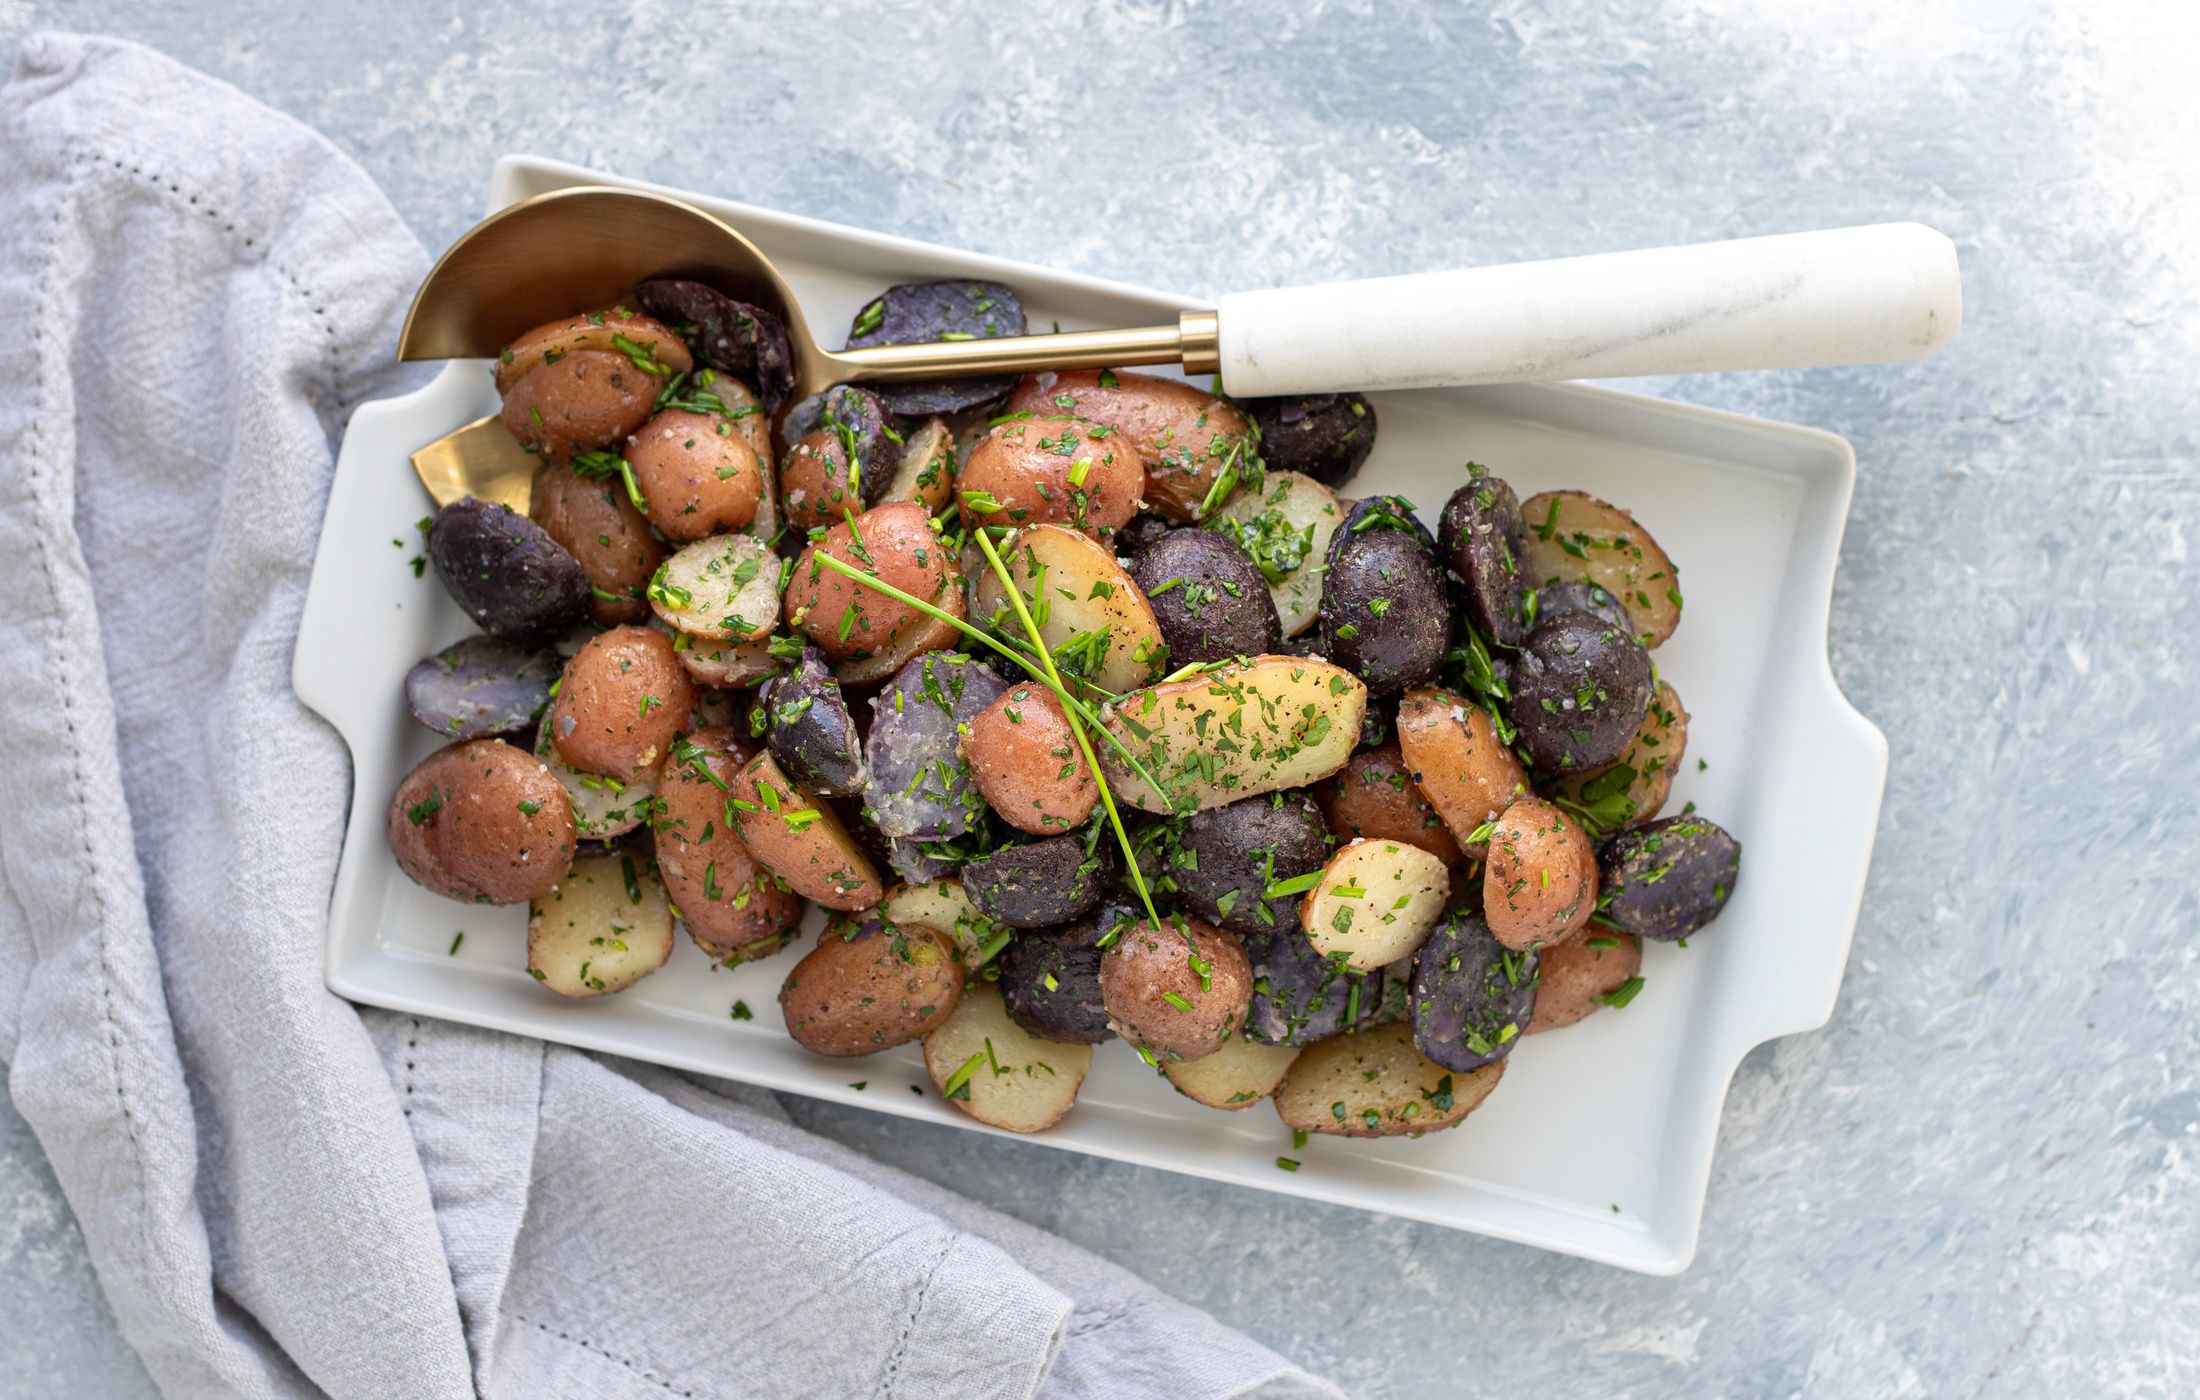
1598, 1142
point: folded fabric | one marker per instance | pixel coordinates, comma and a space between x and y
282, 1194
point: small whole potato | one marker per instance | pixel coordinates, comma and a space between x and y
622, 698
1540, 885
866, 988
1186, 439
697, 473
582, 383
1384, 616
596, 524
1374, 796
483, 822
1027, 764
732, 907
864, 633
1580, 687
1177, 989
1052, 470
1584, 975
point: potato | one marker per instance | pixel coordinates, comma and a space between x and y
1573, 535
798, 837
1285, 528
1187, 440
865, 634
587, 401
1584, 975
733, 909
1580, 687
942, 905
727, 397
1037, 884
1211, 602
723, 589
1233, 732
921, 787
812, 731
824, 433
1638, 782
999, 1073
483, 822
1384, 613
1073, 588
593, 521
1482, 538
1373, 1083
1451, 749
1300, 996
925, 472
1670, 878
479, 687
1326, 436
1374, 795
1178, 990
868, 988
732, 337
1541, 882
622, 698
1027, 764
618, 331
1041, 470
1050, 981
1239, 1075
914, 313
1376, 903
511, 578
604, 928
725, 664
698, 475
1230, 856
1471, 995
604, 807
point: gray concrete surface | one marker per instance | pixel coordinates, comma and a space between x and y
1980, 1179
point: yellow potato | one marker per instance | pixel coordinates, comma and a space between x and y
1238, 730
998, 1072
1573, 535
1373, 1083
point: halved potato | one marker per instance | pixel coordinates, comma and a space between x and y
942, 905
999, 1073
1239, 1075
1373, 1083
1652, 759
1540, 885
1072, 585
1376, 903
926, 473
603, 807
1573, 535
799, 838
1235, 731
605, 927
724, 663
618, 331
867, 987
1289, 519
1451, 748
724, 589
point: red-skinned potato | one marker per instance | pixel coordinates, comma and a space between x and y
1451, 748
1178, 989
1052, 471
1540, 885
622, 698
1583, 975
1374, 796
863, 633
1185, 438
482, 822
1026, 763
629, 334
868, 988
732, 907
799, 837
582, 383
595, 523
698, 475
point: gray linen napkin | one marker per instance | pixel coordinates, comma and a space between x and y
283, 1194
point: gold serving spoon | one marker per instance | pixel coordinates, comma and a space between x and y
1841, 296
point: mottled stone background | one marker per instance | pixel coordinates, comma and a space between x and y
1980, 1179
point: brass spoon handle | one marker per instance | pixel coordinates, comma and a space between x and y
1193, 341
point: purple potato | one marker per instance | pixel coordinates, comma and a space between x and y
1241, 848
1484, 541
1472, 996
1207, 595
920, 785
732, 337
1326, 436
811, 731
1577, 595
1580, 687
1037, 884
1384, 616
916, 313
1050, 981
862, 422
481, 687
1299, 996
512, 579
1668, 879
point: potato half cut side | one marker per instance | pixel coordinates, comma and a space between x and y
604, 928
1285, 528
723, 589
999, 1073
1573, 535
1235, 731
1376, 903
1375, 1084
1073, 588
1239, 1075
603, 807
942, 905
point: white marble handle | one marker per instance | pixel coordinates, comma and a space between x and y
1841, 297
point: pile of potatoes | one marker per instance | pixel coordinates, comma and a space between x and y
1395, 795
